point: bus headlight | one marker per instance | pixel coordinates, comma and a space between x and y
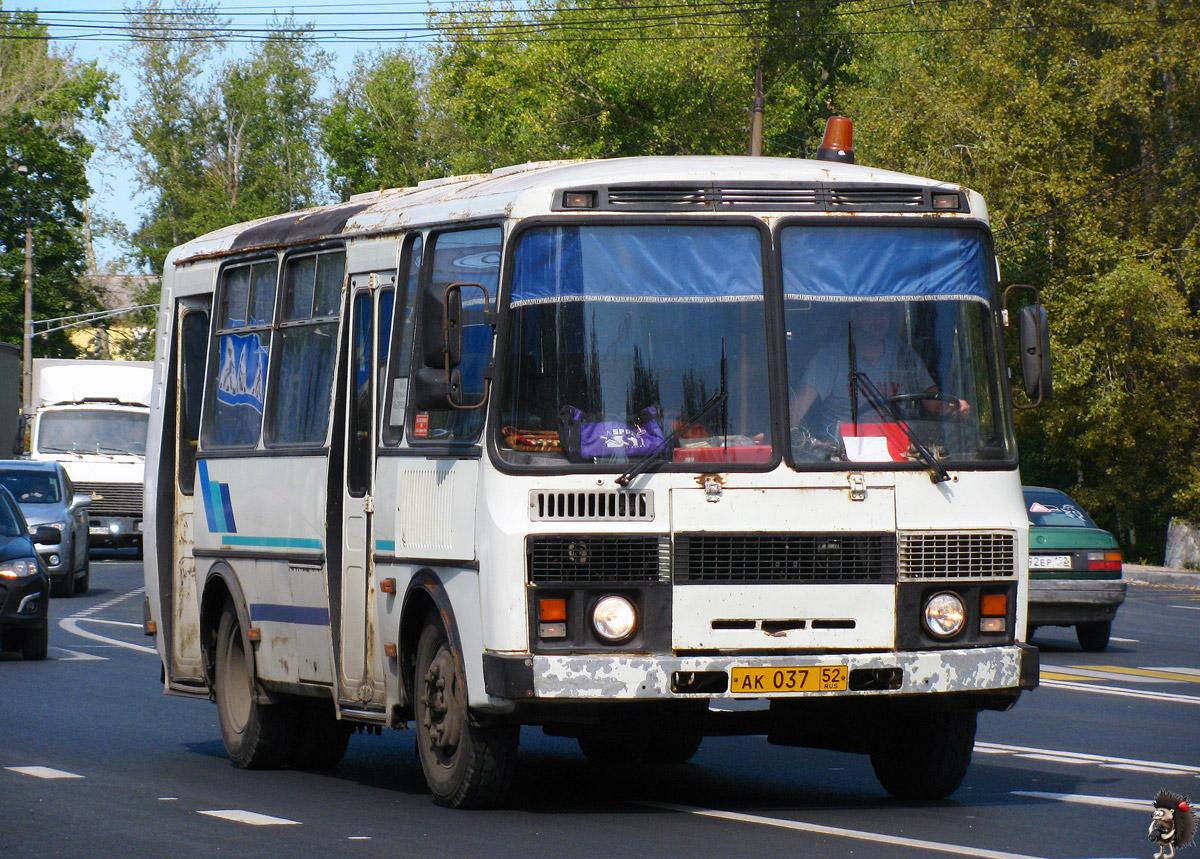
614, 618
945, 615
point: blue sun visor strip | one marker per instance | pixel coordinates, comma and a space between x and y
642, 263
846, 262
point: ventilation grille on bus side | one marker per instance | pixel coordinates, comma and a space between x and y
784, 558
778, 198
955, 555
586, 558
113, 499
591, 505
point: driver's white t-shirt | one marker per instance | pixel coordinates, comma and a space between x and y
898, 370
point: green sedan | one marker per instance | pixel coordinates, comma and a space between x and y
1074, 569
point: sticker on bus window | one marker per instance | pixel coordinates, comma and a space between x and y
421, 425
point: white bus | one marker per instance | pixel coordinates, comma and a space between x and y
528, 448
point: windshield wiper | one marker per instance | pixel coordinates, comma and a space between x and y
652, 457
44, 449
888, 410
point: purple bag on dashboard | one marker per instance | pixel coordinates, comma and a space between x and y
584, 439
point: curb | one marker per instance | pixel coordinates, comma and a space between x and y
1141, 575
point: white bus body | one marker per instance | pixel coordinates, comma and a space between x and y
91, 416
330, 543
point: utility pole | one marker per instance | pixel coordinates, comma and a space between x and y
27, 340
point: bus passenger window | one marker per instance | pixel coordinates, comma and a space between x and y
242, 348
307, 349
465, 256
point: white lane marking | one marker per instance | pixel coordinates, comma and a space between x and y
75, 655
250, 817
838, 832
1175, 669
1122, 693
111, 622
1126, 640
71, 624
1142, 805
43, 772
1189, 607
1088, 759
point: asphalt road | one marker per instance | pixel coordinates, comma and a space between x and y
96, 762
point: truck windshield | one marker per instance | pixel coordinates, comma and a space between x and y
622, 333
93, 431
890, 345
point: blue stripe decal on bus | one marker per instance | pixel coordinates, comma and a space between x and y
307, 616
204, 493
227, 508
272, 542
385, 545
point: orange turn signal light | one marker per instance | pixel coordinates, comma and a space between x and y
993, 605
551, 610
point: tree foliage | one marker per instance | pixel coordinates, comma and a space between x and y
46, 99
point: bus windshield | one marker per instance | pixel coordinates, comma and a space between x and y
625, 334
890, 352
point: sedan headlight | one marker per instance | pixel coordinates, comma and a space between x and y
614, 618
945, 615
18, 568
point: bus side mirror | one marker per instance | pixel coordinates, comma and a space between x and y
1034, 338
434, 388
441, 326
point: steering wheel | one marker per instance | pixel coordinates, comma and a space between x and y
901, 400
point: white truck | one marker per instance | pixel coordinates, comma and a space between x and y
91, 416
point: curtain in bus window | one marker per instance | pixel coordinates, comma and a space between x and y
241, 388
834, 262
638, 263
301, 408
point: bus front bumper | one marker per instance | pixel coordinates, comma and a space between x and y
1011, 667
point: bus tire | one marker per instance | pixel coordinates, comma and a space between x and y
322, 739
1093, 635
674, 748
924, 755
256, 735
467, 763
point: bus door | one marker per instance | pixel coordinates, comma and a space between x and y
191, 349
359, 671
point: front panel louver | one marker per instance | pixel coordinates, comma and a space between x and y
957, 555
831, 197
592, 558
599, 505
113, 499
785, 558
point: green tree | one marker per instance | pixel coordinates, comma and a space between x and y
45, 101
371, 130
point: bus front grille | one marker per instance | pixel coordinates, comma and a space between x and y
588, 558
957, 555
113, 499
591, 505
711, 558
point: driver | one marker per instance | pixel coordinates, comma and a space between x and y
890, 363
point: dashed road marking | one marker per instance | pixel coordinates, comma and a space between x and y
1162, 697
43, 772
1152, 673
250, 817
1142, 805
838, 832
72, 624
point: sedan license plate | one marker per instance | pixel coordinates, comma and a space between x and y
1050, 562
819, 678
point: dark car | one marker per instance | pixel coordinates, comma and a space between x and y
1074, 569
46, 496
24, 584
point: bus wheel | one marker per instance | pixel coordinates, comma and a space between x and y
256, 735
322, 738
924, 755
467, 764
674, 748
